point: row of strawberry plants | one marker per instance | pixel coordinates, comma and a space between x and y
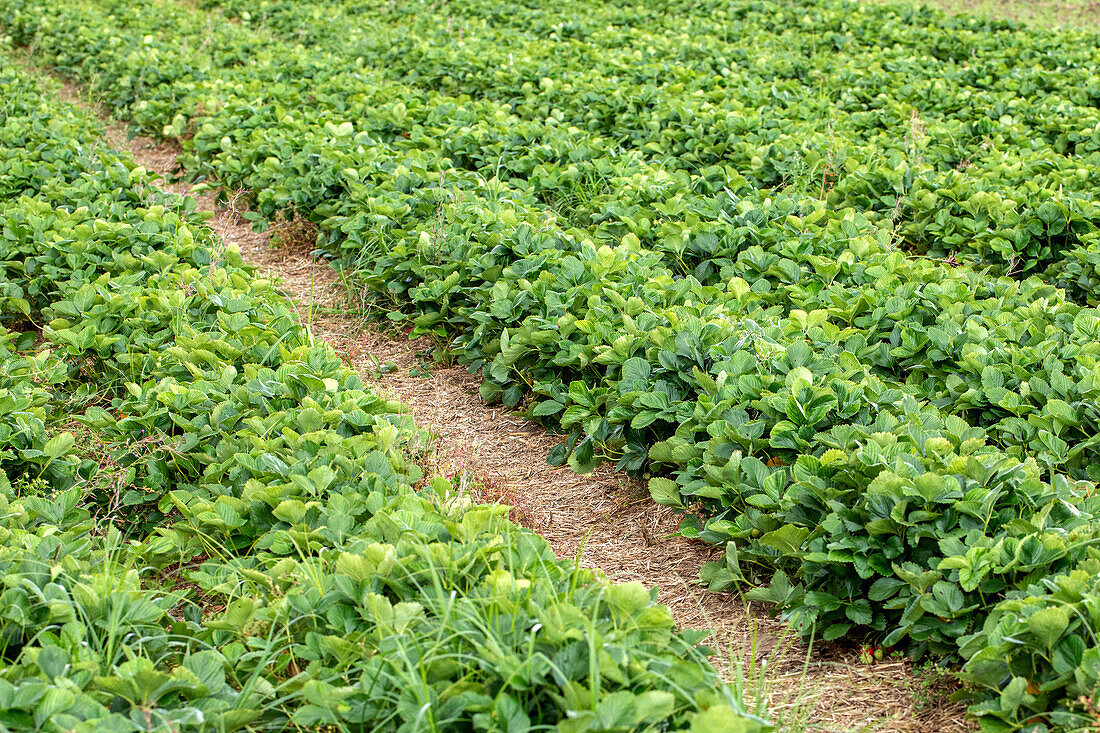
637, 215
837, 427
561, 164
689, 98
1016, 369
244, 461
498, 58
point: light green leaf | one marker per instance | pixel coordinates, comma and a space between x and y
1048, 624
665, 492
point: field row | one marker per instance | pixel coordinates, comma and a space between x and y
970, 140
904, 445
209, 524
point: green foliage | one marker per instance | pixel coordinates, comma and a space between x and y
1038, 654
943, 126
684, 236
28, 452
246, 551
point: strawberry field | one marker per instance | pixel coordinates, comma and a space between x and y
236, 453
823, 273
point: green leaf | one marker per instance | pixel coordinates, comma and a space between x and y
1062, 410
788, 539
884, 588
547, 407
992, 379
626, 599
1013, 695
490, 391
1048, 624
949, 594
723, 719
54, 701
209, 667
583, 459
53, 661
59, 445
510, 715
309, 420
859, 613
636, 369
654, 706
665, 492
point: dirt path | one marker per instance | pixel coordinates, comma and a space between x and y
604, 518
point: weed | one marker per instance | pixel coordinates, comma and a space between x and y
933, 683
